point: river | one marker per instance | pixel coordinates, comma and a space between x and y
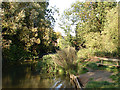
21, 76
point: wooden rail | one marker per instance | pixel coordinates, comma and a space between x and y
108, 59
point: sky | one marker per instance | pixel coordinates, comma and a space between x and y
62, 5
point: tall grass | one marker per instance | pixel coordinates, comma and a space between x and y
67, 59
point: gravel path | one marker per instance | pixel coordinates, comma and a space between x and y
96, 75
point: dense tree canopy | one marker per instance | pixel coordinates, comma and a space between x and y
95, 25
27, 29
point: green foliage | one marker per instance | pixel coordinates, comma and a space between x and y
100, 84
46, 65
102, 68
82, 70
110, 33
94, 27
93, 40
16, 53
85, 53
105, 53
63, 43
114, 77
27, 31
92, 65
29, 27
88, 20
112, 69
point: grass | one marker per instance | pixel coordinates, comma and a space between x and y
100, 84
92, 65
105, 84
82, 70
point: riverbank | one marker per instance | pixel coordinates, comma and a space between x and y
100, 76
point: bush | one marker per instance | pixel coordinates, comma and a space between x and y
86, 53
105, 53
63, 43
46, 64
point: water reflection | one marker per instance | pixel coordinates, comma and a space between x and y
21, 76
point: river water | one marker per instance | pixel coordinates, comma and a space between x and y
21, 76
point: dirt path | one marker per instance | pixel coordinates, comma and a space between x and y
96, 75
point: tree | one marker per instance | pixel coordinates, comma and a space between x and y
28, 28
110, 33
89, 19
